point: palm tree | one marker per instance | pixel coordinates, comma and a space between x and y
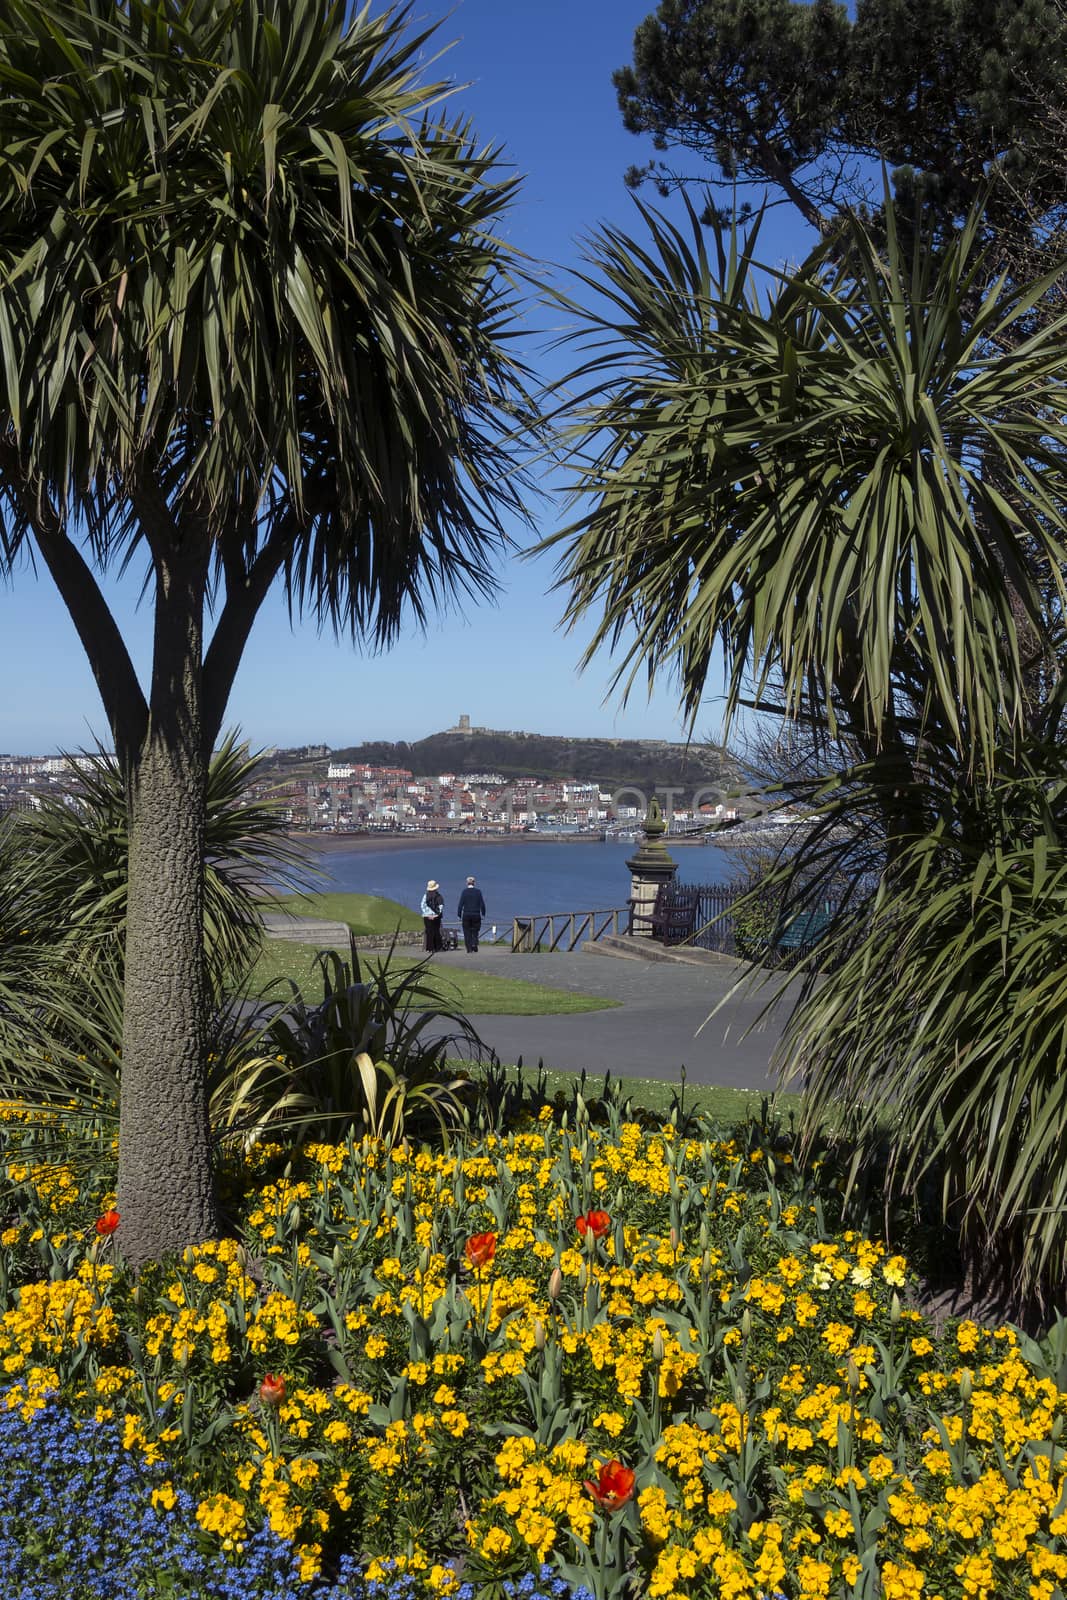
846, 479
253, 322
850, 481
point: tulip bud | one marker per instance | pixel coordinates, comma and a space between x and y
746, 1323
674, 1238
966, 1386
702, 1237
853, 1374
272, 1389
771, 1168
894, 1309
657, 1347
538, 1334
555, 1283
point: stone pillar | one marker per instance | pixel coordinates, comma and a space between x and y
650, 867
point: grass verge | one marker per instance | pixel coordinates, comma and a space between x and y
477, 993
364, 913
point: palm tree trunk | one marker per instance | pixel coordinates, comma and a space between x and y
166, 1197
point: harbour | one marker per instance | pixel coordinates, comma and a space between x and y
517, 881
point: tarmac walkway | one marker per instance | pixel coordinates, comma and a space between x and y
662, 1022
663, 1019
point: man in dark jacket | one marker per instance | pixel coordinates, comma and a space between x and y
470, 912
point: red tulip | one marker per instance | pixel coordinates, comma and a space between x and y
272, 1389
595, 1222
480, 1249
614, 1486
107, 1223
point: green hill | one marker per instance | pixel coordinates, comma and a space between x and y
645, 763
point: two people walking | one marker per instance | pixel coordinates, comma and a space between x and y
470, 911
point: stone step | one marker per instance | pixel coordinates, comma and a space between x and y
304, 930
626, 948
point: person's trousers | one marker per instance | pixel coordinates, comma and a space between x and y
433, 933
471, 926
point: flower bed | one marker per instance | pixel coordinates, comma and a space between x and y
639, 1359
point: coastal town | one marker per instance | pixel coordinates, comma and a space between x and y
318, 794
608, 1143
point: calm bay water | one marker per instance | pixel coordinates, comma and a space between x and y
520, 879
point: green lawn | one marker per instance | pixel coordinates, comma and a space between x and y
364, 913
479, 993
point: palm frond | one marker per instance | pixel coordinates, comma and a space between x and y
804, 472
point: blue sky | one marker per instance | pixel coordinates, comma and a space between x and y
539, 76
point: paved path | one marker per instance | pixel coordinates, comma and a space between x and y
662, 1022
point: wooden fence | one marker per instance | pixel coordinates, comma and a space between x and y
565, 930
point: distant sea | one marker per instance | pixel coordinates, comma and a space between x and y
520, 879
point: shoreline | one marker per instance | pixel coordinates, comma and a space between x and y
433, 841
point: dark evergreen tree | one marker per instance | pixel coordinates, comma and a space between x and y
806, 100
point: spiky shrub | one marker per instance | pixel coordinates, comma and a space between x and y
77, 845
37, 998
944, 1025
63, 889
369, 1057
847, 482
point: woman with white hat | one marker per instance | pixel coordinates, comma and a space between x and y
432, 908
